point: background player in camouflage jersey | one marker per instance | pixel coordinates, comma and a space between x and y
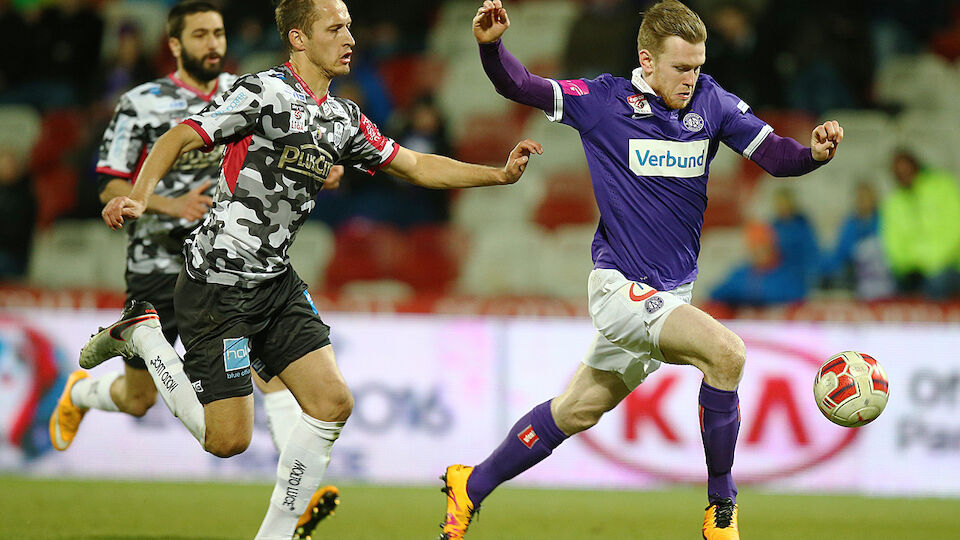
239, 304
155, 246
648, 141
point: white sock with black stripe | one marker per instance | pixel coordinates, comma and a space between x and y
300, 470
166, 368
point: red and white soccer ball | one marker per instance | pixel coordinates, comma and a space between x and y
851, 389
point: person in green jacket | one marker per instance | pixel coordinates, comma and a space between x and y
920, 228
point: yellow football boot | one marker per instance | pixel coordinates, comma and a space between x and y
66, 417
720, 522
322, 504
460, 509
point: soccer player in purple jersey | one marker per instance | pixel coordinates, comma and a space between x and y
239, 304
648, 141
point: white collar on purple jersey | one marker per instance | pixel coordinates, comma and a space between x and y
639, 83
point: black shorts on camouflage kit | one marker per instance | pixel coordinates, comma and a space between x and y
227, 330
158, 290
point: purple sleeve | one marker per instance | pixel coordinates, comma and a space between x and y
783, 156
512, 80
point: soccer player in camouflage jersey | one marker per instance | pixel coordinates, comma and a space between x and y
239, 304
648, 141
155, 246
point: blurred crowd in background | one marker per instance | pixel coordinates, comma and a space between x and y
883, 223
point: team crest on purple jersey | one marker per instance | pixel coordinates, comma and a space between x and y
693, 122
639, 104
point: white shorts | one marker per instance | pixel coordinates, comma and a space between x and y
628, 317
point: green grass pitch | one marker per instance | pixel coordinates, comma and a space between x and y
101, 510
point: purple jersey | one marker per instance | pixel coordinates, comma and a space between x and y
649, 167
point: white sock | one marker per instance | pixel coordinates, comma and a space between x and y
302, 463
166, 368
93, 393
283, 412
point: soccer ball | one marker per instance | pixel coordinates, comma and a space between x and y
851, 389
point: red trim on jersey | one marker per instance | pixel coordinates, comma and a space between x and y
371, 133
200, 131
206, 97
233, 158
113, 172
136, 170
306, 88
396, 148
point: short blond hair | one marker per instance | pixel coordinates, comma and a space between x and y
669, 18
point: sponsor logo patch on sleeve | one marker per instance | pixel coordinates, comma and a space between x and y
372, 134
574, 87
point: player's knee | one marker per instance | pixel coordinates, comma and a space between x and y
335, 405
138, 405
226, 445
731, 357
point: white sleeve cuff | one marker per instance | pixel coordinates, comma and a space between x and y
766, 130
557, 103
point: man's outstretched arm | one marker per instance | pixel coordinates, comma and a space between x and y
510, 78
439, 172
783, 156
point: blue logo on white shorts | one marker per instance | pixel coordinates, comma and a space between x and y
236, 354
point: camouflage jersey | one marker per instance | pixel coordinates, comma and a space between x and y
155, 241
281, 141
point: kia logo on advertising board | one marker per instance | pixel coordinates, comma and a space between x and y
655, 432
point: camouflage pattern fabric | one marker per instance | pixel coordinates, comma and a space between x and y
281, 141
143, 114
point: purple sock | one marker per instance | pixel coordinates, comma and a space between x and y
530, 440
719, 424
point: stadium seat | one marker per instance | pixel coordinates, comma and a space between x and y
489, 139
408, 77
64, 256
504, 260
111, 255
465, 93
21, 127
447, 39
480, 208
56, 191
567, 261
562, 149
922, 81
545, 29
432, 261
931, 136
61, 131
311, 252
364, 250
568, 200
